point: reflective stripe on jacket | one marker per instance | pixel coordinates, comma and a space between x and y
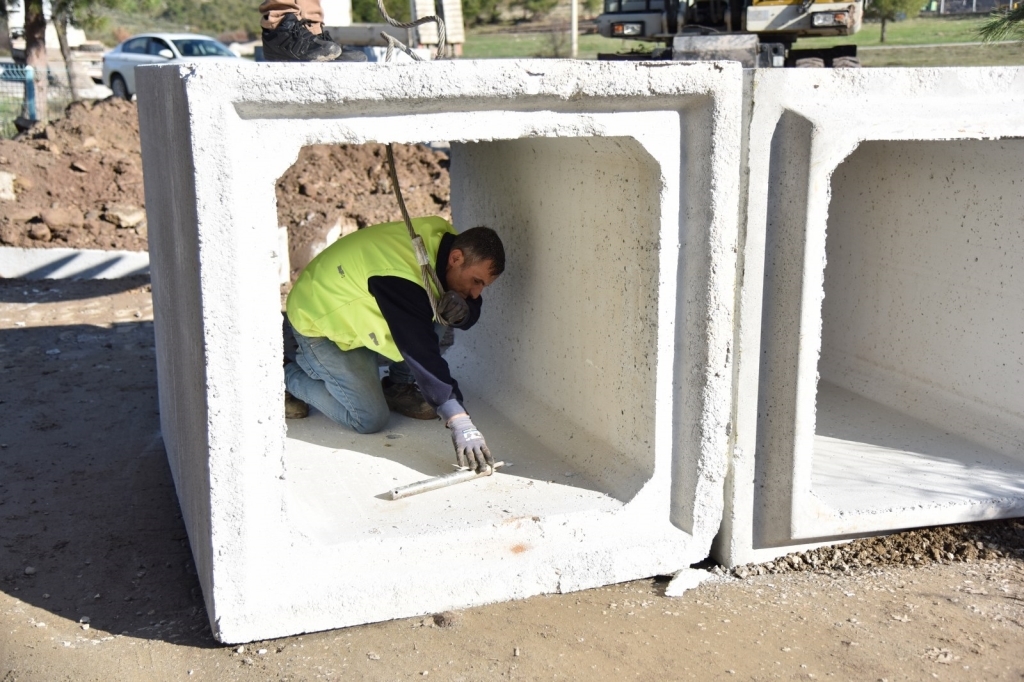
331, 298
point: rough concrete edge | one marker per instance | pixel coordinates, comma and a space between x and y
170, 192
719, 308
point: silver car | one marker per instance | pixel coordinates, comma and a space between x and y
157, 48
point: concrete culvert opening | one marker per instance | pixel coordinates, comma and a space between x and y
559, 373
920, 401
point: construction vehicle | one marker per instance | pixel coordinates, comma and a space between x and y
757, 33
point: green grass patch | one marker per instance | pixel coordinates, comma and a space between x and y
10, 109
947, 55
485, 44
920, 31
946, 32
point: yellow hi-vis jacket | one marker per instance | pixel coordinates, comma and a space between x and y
331, 299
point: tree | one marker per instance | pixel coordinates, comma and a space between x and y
533, 8
221, 16
890, 10
1008, 24
64, 12
476, 12
35, 53
365, 11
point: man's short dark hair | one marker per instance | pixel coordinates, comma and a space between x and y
481, 244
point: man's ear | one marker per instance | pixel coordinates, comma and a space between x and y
456, 257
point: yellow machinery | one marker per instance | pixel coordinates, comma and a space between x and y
759, 33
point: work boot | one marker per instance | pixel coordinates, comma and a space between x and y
292, 41
406, 400
294, 408
348, 53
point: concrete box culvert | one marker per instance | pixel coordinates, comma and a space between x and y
879, 314
600, 368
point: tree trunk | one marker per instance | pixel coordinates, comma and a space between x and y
5, 36
882, 40
35, 52
60, 26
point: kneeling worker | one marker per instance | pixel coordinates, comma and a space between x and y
364, 296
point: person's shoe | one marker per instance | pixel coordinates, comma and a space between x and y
291, 41
406, 400
294, 408
348, 53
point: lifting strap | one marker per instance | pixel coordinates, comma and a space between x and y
430, 281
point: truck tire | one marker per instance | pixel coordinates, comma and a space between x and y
810, 63
846, 63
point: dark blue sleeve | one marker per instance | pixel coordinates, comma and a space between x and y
406, 309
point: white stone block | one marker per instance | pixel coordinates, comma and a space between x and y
880, 363
58, 263
600, 368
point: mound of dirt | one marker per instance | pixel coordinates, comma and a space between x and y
332, 190
78, 183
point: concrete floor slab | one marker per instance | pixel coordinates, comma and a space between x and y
338, 481
874, 467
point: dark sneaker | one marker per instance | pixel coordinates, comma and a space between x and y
348, 53
406, 400
291, 41
294, 408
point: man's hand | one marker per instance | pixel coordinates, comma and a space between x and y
470, 448
453, 308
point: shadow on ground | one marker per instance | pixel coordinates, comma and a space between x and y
89, 521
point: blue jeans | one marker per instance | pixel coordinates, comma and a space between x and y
344, 384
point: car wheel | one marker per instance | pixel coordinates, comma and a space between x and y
119, 87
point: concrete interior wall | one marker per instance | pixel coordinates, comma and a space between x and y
920, 402
570, 344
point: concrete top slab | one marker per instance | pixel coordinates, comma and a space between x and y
285, 89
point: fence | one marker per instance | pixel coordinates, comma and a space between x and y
18, 97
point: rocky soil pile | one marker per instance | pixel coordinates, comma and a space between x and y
335, 189
78, 183
943, 544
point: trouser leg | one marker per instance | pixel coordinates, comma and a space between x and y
273, 10
343, 385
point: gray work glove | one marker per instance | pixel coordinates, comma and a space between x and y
453, 308
470, 449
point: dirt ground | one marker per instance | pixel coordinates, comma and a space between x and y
97, 582
79, 184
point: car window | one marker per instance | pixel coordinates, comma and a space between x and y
155, 45
195, 47
135, 46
